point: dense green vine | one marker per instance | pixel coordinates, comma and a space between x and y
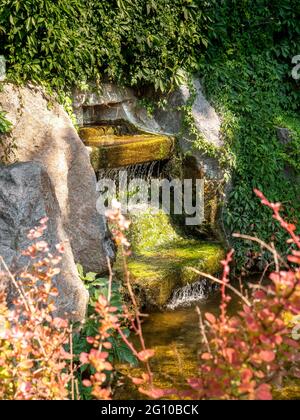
5, 125
136, 42
252, 104
242, 49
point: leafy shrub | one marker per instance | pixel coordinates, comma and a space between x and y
132, 41
5, 125
247, 355
247, 75
249, 352
117, 350
33, 362
39, 358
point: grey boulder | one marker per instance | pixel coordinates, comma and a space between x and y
26, 196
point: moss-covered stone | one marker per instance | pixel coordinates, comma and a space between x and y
112, 151
162, 258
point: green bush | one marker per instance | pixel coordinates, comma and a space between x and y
242, 49
132, 41
247, 75
4, 123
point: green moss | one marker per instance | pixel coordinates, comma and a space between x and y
162, 258
291, 153
112, 151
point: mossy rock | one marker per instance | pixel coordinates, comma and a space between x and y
162, 258
111, 151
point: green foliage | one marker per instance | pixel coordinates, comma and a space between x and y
135, 42
119, 352
5, 125
247, 74
242, 49
291, 154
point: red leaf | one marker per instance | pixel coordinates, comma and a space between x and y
210, 318
293, 259
157, 393
138, 381
206, 356
229, 354
195, 383
267, 356
84, 358
87, 383
145, 355
263, 393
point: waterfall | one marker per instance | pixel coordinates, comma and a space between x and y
124, 176
156, 243
186, 296
145, 171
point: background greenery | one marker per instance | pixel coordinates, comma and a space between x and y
241, 48
247, 74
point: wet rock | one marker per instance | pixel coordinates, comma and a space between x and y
26, 196
163, 257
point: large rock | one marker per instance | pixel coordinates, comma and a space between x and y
43, 132
26, 196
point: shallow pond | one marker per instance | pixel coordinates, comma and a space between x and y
175, 337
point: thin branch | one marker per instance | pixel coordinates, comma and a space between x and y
72, 365
15, 283
215, 280
263, 245
110, 280
202, 329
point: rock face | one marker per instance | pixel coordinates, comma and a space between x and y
26, 196
114, 104
43, 132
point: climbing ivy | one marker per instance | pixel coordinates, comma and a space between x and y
135, 42
241, 48
5, 125
253, 91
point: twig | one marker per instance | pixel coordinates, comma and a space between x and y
263, 244
275, 253
110, 280
77, 389
72, 365
233, 289
202, 329
15, 283
265, 271
23, 297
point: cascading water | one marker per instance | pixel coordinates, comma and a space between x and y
124, 176
145, 171
158, 246
190, 294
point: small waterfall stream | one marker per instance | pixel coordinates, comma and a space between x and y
154, 231
190, 294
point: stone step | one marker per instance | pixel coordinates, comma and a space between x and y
109, 150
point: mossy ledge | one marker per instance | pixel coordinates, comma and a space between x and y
113, 151
162, 258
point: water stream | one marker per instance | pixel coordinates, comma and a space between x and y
175, 337
160, 262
